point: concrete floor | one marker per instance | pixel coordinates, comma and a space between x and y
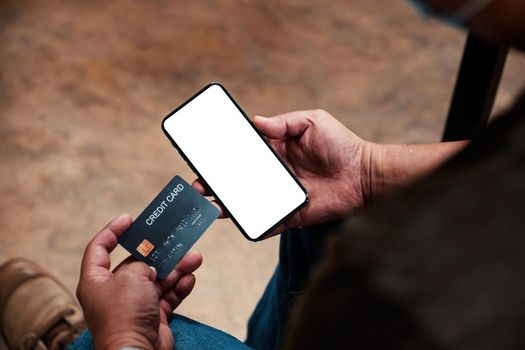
84, 86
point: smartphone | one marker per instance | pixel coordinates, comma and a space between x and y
234, 161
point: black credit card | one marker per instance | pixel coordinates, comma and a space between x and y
169, 226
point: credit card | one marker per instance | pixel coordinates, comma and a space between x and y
169, 226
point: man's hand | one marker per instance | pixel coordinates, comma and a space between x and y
341, 171
324, 155
128, 307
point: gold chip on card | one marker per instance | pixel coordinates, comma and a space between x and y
145, 247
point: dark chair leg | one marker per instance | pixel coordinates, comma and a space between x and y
476, 86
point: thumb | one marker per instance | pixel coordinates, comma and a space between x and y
291, 124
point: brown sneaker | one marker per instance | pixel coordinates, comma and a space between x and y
36, 311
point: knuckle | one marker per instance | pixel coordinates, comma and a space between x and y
88, 247
128, 271
285, 116
320, 113
171, 297
138, 267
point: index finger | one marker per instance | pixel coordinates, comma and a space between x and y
199, 187
97, 251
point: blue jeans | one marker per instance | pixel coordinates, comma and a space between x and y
188, 334
300, 250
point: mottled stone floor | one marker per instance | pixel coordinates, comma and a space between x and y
85, 84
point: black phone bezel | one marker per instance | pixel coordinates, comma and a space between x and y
194, 169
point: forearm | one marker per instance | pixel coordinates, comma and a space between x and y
389, 167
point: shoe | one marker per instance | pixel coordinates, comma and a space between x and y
36, 311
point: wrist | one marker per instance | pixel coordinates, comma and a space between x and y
124, 340
372, 172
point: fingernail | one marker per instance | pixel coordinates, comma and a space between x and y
125, 215
259, 116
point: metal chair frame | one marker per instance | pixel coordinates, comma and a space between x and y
477, 83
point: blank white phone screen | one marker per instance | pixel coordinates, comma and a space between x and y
232, 158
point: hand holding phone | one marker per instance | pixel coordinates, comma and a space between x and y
325, 157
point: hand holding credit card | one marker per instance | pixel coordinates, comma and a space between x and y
169, 226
